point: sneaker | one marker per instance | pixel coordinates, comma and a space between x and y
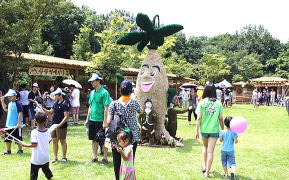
20, 152
226, 176
7, 152
103, 162
233, 176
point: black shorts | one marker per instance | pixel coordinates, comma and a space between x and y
93, 128
25, 111
32, 113
15, 134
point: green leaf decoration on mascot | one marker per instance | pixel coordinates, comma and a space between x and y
152, 33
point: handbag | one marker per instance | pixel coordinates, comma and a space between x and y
100, 136
115, 125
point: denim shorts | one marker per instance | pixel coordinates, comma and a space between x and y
228, 159
210, 135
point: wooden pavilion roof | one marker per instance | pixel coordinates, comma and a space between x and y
269, 81
51, 61
241, 83
44, 60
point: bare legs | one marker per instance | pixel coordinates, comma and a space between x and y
8, 146
208, 153
204, 153
95, 146
75, 118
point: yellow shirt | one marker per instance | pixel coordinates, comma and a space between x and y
200, 94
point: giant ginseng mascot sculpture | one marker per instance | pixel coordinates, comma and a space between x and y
152, 81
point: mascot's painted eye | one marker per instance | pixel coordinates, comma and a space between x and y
153, 74
142, 72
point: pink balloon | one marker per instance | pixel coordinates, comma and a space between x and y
238, 125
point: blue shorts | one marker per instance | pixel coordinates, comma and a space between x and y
228, 159
210, 135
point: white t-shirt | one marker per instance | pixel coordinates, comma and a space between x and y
24, 97
255, 95
74, 98
185, 95
219, 94
40, 154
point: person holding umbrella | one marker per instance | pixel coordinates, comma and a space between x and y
193, 102
186, 93
75, 103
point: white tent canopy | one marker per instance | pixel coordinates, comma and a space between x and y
224, 83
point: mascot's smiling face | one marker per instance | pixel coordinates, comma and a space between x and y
148, 74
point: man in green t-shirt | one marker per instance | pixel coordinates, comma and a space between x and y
99, 100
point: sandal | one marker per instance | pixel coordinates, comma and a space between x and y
103, 162
64, 160
7, 152
54, 161
94, 160
206, 176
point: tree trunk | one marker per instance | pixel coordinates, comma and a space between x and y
152, 83
15, 80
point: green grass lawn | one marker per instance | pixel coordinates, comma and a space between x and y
262, 153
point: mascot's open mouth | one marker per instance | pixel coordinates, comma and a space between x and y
146, 86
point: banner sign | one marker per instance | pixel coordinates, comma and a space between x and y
40, 71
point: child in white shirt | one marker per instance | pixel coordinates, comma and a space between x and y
40, 139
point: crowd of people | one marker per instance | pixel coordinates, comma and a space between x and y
31, 108
267, 97
189, 98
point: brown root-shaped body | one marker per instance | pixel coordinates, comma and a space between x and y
152, 83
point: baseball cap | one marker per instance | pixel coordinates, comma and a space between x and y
35, 85
57, 92
126, 87
95, 77
10, 92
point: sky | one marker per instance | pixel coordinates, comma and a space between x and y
206, 17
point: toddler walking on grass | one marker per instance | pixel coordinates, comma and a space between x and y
40, 139
228, 138
127, 171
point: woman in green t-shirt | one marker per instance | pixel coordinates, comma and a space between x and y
210, 118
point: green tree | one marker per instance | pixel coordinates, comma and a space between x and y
280, 66
257, 39
20, 24
213, 68
65, 24
21, 21
39, 47
180, 44
179, 66
194, 49
81, 46
109, 60
248, 67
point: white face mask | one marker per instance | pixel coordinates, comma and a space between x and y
171, 105
148, 105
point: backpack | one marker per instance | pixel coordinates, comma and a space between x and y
115, 125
